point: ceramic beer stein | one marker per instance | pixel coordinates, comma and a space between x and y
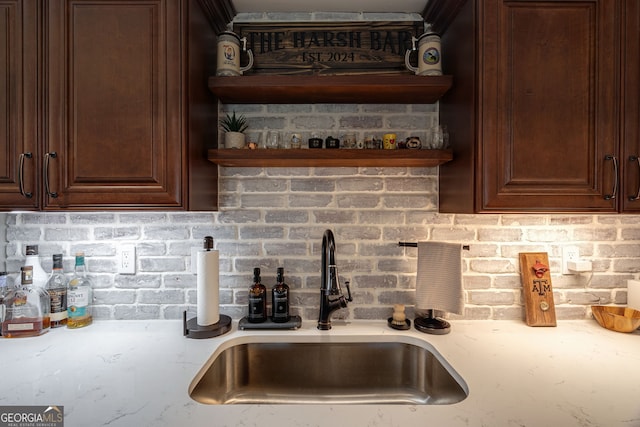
429, 58
229, 54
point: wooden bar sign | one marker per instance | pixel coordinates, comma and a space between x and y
538, 293
329, 47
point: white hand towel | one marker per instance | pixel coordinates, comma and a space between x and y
439, 277
633, 294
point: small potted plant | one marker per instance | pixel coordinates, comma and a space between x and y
234, 126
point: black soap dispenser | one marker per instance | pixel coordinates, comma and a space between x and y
280, 299
257, 299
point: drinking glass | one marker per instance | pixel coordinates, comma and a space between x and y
273, 139
296, 140
437, 138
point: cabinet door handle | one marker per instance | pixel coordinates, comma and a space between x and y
47, 157
636, 159
614, 191
26, 194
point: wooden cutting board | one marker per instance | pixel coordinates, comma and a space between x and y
538, 292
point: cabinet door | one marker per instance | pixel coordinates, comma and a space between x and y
548, 119
18, 105
630, 193
113, 104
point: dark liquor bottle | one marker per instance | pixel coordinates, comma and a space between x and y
57, 289
257, 299
280, 299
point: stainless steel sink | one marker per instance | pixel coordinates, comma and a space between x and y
314, 371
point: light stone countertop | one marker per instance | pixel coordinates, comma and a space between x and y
137, 373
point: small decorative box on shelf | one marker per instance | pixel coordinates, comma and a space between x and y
329, 158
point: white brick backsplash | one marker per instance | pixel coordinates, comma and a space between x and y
605, 234
369, 256
164, 296
263, 200
491, 297
111, 297
137, 312
186, 280
552, 234
142, 218
500, 235
110, 233
62, 234
316, 185
626, 265
139, 281
286, 216
516, 220
169, 232
359, 201
566, 312
162, 264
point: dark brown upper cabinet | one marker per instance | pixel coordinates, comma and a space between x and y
534, 115
19, 150
630, 158
112, 105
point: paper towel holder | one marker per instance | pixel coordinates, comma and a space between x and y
191, 328
430, 324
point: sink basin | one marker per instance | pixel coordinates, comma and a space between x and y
368, 370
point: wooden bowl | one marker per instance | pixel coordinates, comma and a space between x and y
619, 319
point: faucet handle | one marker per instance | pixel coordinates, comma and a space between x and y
346, 284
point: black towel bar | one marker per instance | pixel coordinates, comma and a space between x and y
415, 245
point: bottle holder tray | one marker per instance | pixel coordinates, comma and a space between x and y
294, 322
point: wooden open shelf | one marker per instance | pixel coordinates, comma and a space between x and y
329, 158
342, 89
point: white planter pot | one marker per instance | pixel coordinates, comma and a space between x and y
234, 140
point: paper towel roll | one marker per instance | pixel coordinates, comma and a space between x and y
208, 288
633, 294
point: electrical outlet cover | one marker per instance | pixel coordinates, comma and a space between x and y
569, 253
127, 259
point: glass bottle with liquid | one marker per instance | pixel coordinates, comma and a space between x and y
280, 299
40, 278
32, 258
79, 296
57, 289
24, 314
257, 299
3, 292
